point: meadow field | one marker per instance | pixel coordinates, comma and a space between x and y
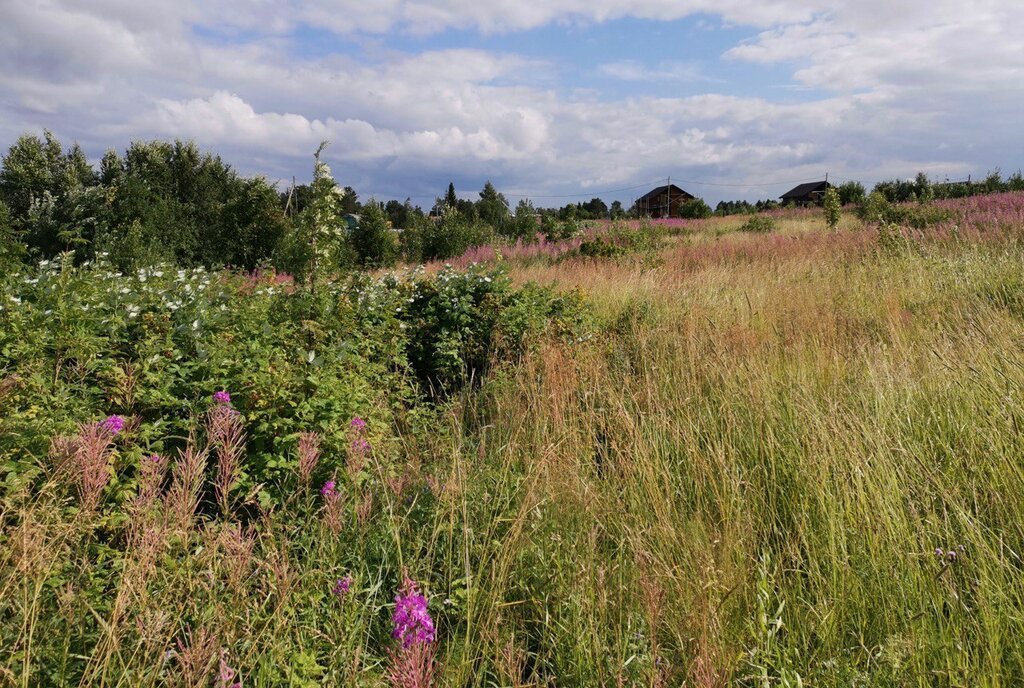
687, 455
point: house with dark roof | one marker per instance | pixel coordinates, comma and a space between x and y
810, 193
663, 201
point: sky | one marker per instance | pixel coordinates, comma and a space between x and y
557, 100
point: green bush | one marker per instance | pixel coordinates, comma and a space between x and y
374, 243
11, 249
156, 343
523, 225
159, 201
453, 235
877, 210
601, 247
694, 209
832, 207
559, 230
758, 223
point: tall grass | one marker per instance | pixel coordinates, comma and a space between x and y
781, 460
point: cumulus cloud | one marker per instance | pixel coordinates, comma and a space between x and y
894, 87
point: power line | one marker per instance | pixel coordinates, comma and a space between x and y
585, 193
604, 192
560, 196
743, 186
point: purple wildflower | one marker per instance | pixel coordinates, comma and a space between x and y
328, 489
358, 423
341, 587
222, 397
411, 618
113, 424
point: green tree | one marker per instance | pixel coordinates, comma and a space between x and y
523, 226
923, 188
12, 250
187, 206
399, 214
45, 191
595, 208
350, 202
453, 234
374, 243
617, 212
851, 192
250, 228
492, 207
412, 237
694, 209
832, 208
875, 208
450, 199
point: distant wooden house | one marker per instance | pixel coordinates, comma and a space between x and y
810, 193
663, 201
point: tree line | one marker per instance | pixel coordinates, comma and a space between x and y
163, 201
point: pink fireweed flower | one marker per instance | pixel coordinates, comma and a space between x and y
309, 455
90, 451
226, 435
342, 585
411, 618
333, 505
112, 424
358, 423
222, 397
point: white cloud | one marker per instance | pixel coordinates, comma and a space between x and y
904, 83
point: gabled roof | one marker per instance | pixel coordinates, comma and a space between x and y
805, 189
663, 190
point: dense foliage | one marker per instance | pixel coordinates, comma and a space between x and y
158, 202
154, 344
757, 459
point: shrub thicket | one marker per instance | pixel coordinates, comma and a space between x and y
758, 223
694, 209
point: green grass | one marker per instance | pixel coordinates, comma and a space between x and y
739, 478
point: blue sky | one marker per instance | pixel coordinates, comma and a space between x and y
557, 99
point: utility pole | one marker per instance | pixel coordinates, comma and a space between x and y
668, 188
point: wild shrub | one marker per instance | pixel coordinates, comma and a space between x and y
851, 192
12, 250
602, 247
453, 235
458, 321
559, 230
759, 224
832, 208
159, 341
374, 243
523, 225
694, 209
877, 210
